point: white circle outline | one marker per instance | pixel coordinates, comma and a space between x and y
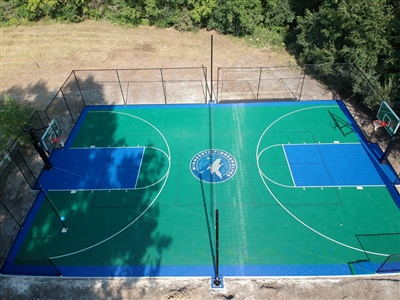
147, 208
258, 153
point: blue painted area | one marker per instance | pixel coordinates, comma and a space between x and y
390, 267
213, 104
75, 169
172, 271
323, 165
375, 154
331, 165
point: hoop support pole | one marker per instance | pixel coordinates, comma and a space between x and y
384, 158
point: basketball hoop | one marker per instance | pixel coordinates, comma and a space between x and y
378, 124
59, 140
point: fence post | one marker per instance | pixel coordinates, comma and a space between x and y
79, 88
302, 85
120, 87
66, 104
163, 85
217, 96
259, 82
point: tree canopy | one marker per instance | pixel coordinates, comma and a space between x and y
362, 32
13, 118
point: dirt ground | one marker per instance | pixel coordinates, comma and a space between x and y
35, 62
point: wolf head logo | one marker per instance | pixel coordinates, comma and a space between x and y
213, 166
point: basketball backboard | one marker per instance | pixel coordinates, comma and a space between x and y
50, 136
387, 115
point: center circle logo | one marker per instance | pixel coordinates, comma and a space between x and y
213, 166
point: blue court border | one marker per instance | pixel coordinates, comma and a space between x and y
385, 171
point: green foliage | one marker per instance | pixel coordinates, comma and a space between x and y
120, 12
351, 31
237, 17
278, 13
266, 38
300, 7
202, 10
34, 10
13, 118
363, 32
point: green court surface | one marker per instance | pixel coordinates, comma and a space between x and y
298, 190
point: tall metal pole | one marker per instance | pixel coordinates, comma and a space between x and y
384, 158
217, 279
212, 66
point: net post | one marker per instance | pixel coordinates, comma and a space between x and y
217, 280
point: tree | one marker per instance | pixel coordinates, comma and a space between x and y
348, 31
278, 14
237, 17
202, 10
13, 118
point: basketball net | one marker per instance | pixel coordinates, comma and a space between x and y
59, 140
378, 124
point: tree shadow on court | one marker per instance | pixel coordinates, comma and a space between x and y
137, 249
16, 195
143, 243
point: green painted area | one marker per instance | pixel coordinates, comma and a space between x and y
169, 219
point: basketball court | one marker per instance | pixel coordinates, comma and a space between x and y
134, 191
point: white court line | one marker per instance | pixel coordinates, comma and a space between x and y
288, 165
309, 186
147, 208
93, 180
258, 154
140, 167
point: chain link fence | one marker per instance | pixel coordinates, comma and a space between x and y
20, 168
